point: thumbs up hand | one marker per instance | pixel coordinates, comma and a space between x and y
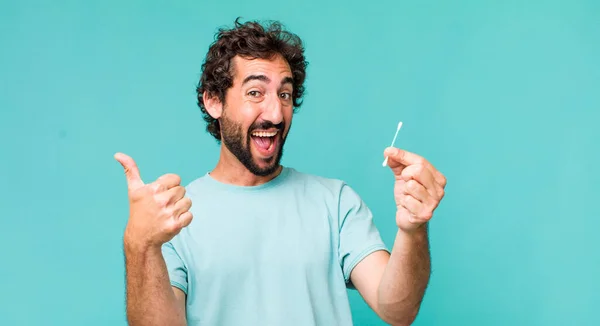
157, 211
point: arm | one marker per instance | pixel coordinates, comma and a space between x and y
150, 298
394, 285
157, 212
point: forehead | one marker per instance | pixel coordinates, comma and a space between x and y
276, 67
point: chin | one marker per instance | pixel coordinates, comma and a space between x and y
265, 166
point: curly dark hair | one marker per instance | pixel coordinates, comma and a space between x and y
249, 40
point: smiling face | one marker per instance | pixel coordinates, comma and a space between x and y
257, 113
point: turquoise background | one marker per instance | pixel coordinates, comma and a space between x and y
502, 96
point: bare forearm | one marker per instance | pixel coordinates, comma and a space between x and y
150, 297
406, 277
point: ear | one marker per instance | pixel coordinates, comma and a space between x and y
213, 105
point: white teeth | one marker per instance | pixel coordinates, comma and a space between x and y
264, 133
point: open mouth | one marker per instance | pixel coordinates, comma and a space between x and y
265, 142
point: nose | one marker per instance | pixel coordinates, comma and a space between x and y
273, 110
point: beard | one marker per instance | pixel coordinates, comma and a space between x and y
238, 144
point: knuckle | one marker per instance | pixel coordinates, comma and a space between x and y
157, 187
172, 177
169, 212
172, 228
187, 202
425, 214
398, 154
411, 185
403, 200
186, 219
408, 172
161, 201
442, 178
419, 168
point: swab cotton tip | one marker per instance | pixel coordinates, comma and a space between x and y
384, 162
393, 142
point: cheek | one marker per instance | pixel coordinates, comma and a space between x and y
246, 117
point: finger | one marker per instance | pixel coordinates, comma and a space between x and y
405, 212
411, 204
418, 212
395, 166
132, 173
168, 181
440, 178
406, 158
399, 159
175, 194
424, 176
181, 206
185, 219
417, 190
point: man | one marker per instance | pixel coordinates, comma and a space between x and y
265, 244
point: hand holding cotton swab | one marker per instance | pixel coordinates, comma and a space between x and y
393, 141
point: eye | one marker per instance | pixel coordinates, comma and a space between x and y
286, 96
254, 93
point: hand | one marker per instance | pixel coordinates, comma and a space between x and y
157, 211
418, 188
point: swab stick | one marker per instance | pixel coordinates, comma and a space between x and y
393, 141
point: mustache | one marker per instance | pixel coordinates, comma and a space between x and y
267, 125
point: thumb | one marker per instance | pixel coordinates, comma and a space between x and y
393, 163
132, 173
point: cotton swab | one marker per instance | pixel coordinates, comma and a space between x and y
393, 141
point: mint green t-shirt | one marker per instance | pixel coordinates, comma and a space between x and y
279, 253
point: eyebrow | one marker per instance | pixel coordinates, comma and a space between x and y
286, 80
256, 77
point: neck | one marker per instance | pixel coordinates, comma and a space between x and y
231, 171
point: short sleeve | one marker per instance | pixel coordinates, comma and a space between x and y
175, 266
359, 236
